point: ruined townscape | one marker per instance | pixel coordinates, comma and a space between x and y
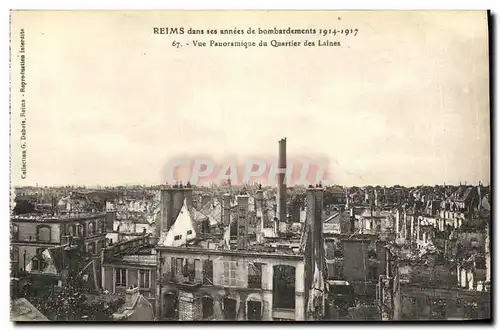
180, 252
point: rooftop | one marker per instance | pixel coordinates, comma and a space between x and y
256, 251
135, 250
56, 218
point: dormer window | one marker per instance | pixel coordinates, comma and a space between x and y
178, 237
190, 232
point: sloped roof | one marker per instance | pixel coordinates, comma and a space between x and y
332, 217
467, 193
54, 259
21, 310
335, 190
197, 216
130, 306
213, 210
182, 225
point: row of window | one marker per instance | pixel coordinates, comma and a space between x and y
44, 231
93, 228
203, 272
39, 264
144, 278
425, 306
254, 308
336, 272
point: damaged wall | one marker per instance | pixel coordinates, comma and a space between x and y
419, 303
132, 277
433, 276
230, 280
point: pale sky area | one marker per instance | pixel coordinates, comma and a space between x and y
406, 101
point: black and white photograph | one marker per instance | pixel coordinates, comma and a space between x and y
250, 166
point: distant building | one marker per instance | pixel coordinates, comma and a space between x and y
427, 290
358, 259
232, 277
39, 244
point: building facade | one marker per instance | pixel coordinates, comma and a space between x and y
32, 235
201, 284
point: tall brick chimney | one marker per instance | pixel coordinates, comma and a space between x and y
259, 198
226, 209
242, 222
281, 181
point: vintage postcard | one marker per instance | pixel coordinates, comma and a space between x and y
250, 166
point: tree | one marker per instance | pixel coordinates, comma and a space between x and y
61, 304
71, 304
100, 309
24, 207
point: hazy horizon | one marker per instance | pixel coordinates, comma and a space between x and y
250, 184
405, 102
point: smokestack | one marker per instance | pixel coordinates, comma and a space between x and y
242, 222
259, 198
281, 181
226, 209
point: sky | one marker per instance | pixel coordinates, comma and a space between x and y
405, 101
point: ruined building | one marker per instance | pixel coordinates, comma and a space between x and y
232, 277
224, 271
